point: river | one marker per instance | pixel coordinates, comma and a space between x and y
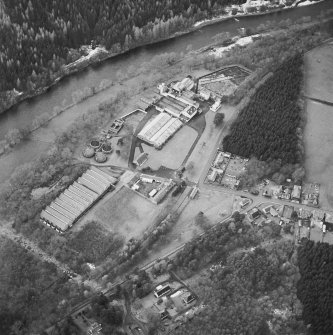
61, 94
22, 114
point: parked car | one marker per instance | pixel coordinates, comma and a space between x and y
254, 192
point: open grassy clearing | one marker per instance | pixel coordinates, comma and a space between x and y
126, 213
173, 152
319, 65
318, 134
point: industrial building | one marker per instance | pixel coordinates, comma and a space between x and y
180, 107
180, 86
77, 199
160, 129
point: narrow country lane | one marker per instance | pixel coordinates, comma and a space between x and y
7, 231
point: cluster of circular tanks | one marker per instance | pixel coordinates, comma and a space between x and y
98, 150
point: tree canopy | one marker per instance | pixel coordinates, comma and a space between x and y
36, 37
267, 127
315, 288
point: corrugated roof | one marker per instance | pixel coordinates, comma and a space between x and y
96, 186
76, 198
78, 193
99, 176
53, 220
66, 198
79, 196
103, 183
68, 206
63, 211
111, 179
85, 190
90, 185
56, 214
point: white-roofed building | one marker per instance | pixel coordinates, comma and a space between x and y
186, 84
160, 129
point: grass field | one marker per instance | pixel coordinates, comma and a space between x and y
319, 71
318, 135
126, 213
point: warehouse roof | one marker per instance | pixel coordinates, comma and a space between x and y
76, 199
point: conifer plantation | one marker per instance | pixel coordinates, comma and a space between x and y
267, 127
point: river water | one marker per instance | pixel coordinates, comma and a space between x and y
61, 94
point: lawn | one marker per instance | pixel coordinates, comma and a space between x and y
318, 139
319, 72
126, 213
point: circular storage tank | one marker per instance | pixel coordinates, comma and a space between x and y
106, 148
95, 144
88, 152
100, 157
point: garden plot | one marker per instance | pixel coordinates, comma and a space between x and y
236, 166
225, 81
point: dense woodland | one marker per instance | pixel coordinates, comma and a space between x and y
36, 37
269, 126
31, 291
315, 288
247, 290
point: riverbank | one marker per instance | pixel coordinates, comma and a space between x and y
103, 55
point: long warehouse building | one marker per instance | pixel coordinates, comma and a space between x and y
157, 131
70, 205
